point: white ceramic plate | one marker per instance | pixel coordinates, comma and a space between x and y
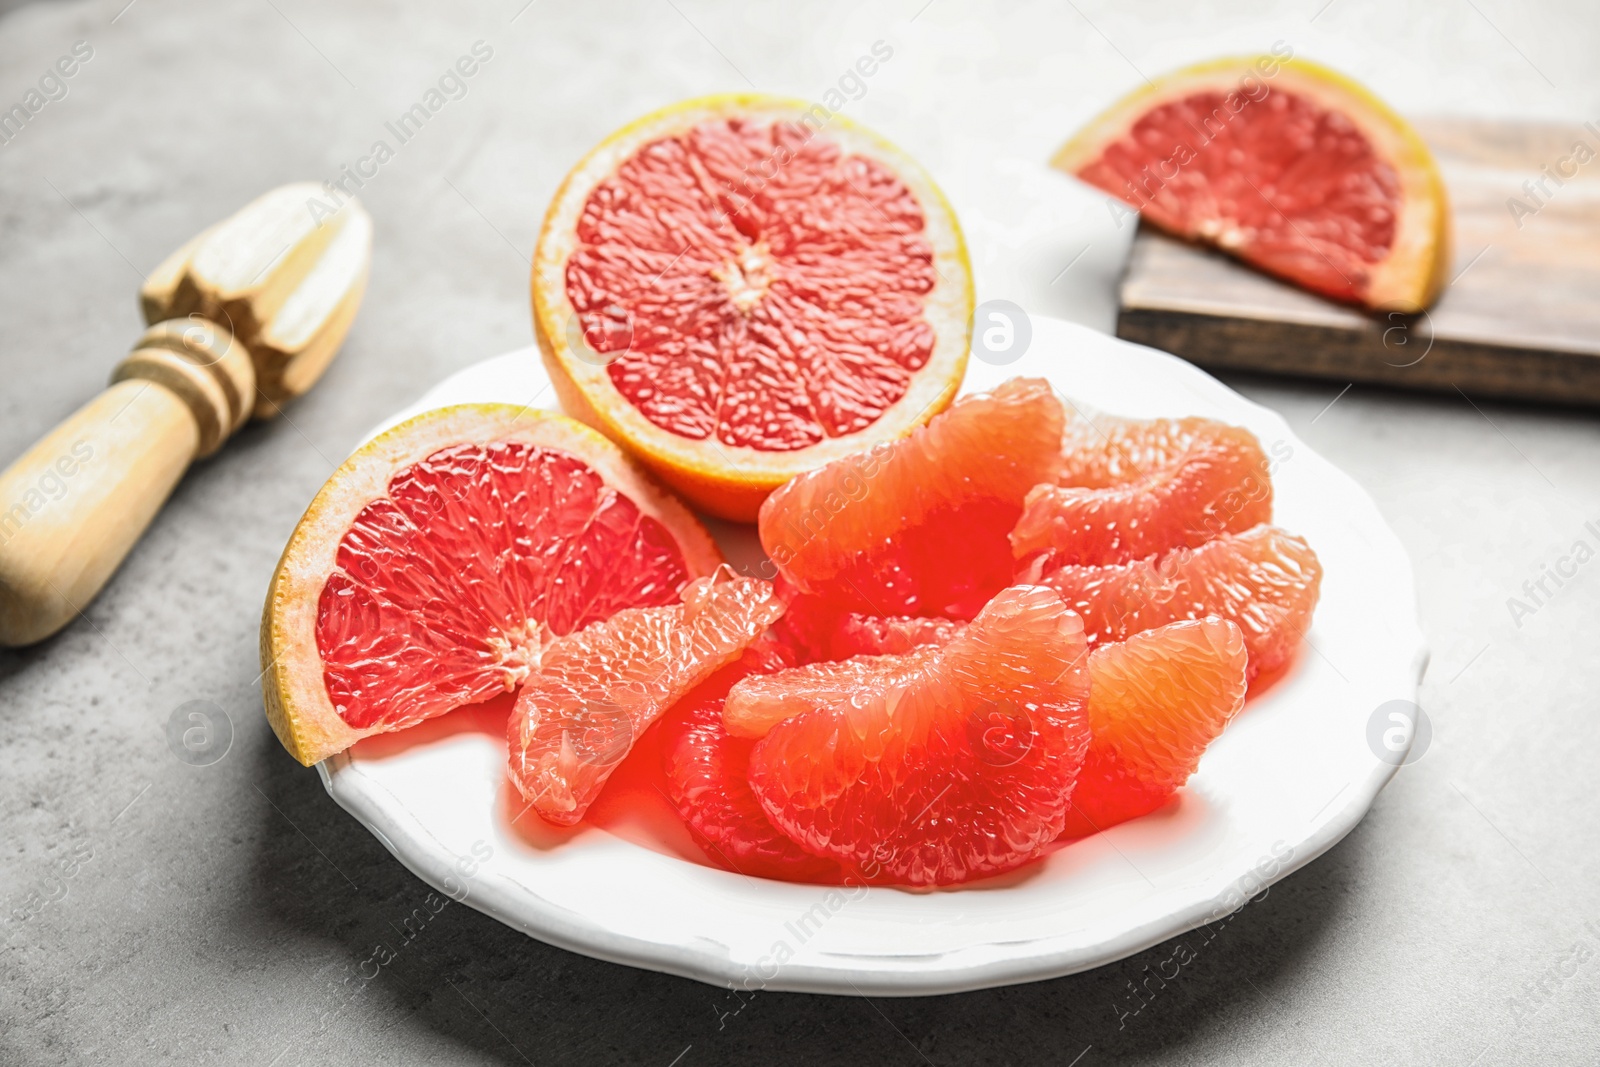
1290, 777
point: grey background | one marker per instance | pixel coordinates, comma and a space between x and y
222, 910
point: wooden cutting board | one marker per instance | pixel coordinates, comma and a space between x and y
1520, 320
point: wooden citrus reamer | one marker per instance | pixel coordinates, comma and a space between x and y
244, 316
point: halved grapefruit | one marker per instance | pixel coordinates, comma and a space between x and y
1284, 164
741, 288
439, 560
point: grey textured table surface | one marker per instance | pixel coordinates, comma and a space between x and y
158, 912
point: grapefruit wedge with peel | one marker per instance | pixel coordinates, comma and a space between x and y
596, 691
1264, 580
439, 560
955, 765
919, 526
1284, 164
1156, 701
741, 288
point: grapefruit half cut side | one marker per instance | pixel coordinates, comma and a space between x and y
1284, 164
440, 558
741, 288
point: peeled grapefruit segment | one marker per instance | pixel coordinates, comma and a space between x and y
440, 558
738, 289
1172, 484
758, 703
1099, 450
950, 768
1265, 581
919, 526
816, 630
1156, 701
597, 690
856, 634
1284, 164
707, 777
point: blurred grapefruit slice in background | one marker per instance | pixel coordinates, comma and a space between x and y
1284, 164
438, 561
741, 288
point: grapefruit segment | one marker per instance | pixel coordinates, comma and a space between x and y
1284, 164
1168, 484
1099, 451
1265, 581
737, 293
758, 703
1156, 701
856, 634
707, 777
919, 526
442, 556
816, 630
598, 690
948, 768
